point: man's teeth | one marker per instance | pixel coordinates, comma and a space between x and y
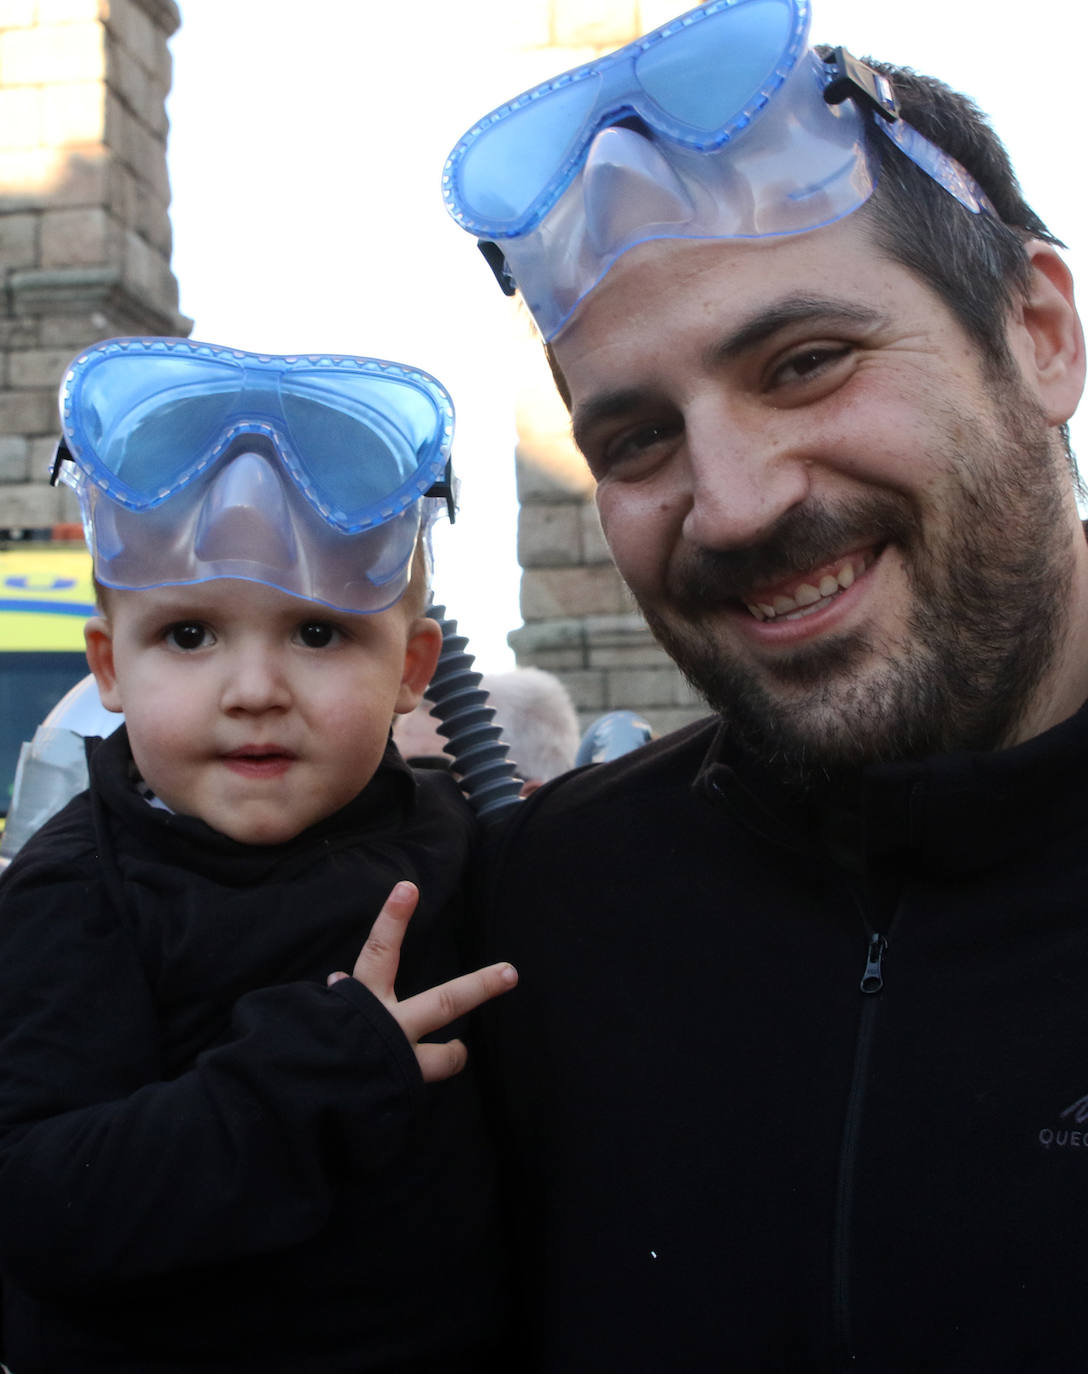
806, 596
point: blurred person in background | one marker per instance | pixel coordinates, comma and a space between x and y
532, 708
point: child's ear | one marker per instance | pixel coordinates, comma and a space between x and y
98, 638
420, 661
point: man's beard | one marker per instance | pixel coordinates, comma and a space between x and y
987, 617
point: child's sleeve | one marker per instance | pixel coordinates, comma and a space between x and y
110, 1173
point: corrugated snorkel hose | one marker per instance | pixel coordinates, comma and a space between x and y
487, 776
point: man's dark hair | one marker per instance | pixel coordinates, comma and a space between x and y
977, 264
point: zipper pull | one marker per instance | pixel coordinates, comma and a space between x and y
872, 980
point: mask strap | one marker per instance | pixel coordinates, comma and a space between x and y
849, 79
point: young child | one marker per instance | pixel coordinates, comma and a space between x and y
219, 1152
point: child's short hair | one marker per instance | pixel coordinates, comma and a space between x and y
417, 592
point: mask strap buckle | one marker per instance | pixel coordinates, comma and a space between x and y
496, 260
849, 79
62, 455
444, 488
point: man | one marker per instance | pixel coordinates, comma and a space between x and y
797, 1075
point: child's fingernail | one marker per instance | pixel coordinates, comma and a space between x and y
509, 975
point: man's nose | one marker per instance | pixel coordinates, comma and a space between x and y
256, 681
743, 478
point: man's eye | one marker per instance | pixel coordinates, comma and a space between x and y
316, 634
809, 362
625, 450
188, 634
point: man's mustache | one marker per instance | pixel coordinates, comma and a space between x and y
804, 538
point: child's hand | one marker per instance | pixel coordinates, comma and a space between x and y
376, 968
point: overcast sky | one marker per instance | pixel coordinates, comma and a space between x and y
306, 148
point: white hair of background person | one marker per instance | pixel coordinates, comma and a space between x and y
538, 721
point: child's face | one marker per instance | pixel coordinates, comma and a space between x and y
256, 711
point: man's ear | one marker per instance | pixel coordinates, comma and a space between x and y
420, 661
1046, 335
98, 638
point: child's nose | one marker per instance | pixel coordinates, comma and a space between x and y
256, 681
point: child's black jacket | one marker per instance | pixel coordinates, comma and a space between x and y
209, 1159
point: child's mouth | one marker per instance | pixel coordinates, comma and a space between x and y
259, 760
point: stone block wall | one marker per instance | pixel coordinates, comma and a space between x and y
84, 212
85, 254
580, 621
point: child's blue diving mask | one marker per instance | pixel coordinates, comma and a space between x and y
720, 124
314, 475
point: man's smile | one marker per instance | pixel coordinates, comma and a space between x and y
801, 596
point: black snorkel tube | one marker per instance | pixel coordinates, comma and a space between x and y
479, 753
476, 745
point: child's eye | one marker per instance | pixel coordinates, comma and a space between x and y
189, 634
317, 634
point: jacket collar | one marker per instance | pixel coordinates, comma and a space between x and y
386, 801
954, 812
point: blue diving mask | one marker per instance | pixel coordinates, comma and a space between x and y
720, 124
315, 475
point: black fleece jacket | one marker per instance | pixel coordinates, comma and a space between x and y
793, 1088
208, 1159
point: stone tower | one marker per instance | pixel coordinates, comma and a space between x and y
84, 224
579, 619
85, 254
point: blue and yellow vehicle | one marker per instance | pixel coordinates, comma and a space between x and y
46, 594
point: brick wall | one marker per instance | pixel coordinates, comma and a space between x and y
84, 212
85, 254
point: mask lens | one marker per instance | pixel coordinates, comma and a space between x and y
512, 162
360, 437
147, 419
360, 440
693, 82
706, 74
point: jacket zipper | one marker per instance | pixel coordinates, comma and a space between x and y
872, 982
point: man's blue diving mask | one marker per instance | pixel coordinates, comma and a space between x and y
720, 124
314, 475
